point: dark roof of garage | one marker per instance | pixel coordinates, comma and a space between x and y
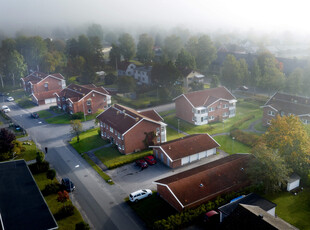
22, 205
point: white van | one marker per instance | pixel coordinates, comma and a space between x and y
140, 194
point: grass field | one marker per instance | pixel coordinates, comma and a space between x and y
231, 146
88, 140
173, 134
45, 114
66, 118
30, 153
293, 209
54, 205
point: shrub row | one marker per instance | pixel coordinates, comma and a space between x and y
51, 189
125, 161
65, 211
77, 116
245, 138
185, 218
36, 168
240, 122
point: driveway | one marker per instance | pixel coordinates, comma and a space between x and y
130, 178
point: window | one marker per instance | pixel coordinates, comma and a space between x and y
45, 85
268, 122
158, 139
88, 102
211, 109
101, 133
225, 114
122, 137
194, 119
123, 147
89, 111
162, 129
105, 134
93, 94
103, 125
63, 98
104, 99
111, 129
58, 99
219, 106
70, 104
157, 130
211, 118
119, 136
271, 113
225, 106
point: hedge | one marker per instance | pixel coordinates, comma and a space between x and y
185, 218
245, 138
240, 122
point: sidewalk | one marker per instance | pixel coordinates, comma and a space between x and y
95, 159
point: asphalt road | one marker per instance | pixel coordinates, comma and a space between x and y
101, 205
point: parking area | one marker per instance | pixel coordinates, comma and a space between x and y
131, 178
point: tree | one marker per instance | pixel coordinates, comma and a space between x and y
255, 75
110, 79
53, 62
214, 81
231, 72
40, 157
51, 174
95, 30
126, 84
244, 72
185, 60
268, 168
206, 53
6, 144
82, 226
16, 66
196, 86
63, 197
294, 82
115, 56
289, 137
76, 128
165, 74
145, 46
172, 46
127, 46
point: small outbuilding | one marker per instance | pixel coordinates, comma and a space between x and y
293, 182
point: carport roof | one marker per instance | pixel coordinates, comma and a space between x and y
22, 205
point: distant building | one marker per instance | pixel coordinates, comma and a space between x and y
42, 86
87, 99
22, 205
284, 105
131, 130
126, 68
185, 150
191, 76
206, 106
143, 75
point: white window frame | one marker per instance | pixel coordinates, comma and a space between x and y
89, 110
88, 102
111, 129
271, 113
211, 118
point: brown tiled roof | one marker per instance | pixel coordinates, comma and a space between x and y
89, 86
101, 90
46, 95
289, 104
38, 76
189, 145
123, 65
210, 180
208, 96
58, 75
68, 93
152, 114
122, 118
79, 88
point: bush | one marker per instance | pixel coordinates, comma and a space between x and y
36, 168
240, 122
51, 189
245, 138
40, 157
54, 108
77, 116
65, 211
82, 226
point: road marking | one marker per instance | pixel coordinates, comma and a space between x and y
77, 166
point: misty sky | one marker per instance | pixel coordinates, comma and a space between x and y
260, 15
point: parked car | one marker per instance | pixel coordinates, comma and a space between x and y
18, 128
150, 160
10, 99
243, 88
5, 109
34, 115
141, 163
67, 184
139, 195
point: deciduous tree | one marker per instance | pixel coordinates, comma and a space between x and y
185, 60
172, 46
231, 72
127, 46
145, 46
6, 144
76, 128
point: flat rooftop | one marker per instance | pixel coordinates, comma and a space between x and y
22, 205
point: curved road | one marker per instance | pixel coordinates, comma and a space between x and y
101, 204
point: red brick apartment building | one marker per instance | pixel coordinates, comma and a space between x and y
284, 105
185, 150
206, 106
196, 186
132, 130
87, 99
42, 86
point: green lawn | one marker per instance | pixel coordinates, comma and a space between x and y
25, 102
231, 146
112, 158
30, 153
89, 139
173, 134
142, 102
259, 126
148, 207
66, 118
45, 113
293, 209
165, 113
105, 176
244, 109
54, 205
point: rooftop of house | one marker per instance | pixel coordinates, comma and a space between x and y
287, 103
122, 118
147, 69
76, 92
208, 96
123, 65
46, 94
188, 145
209, 180
253, 217
35, 77
251, 199
22, 205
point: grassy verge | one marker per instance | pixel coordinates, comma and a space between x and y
293, 209
45, 114
152, 209
173, 134
168, 112
104, 176
231, 146
30, 153
25, 102
142, 102
54, 205
88, 140
113, 158
66, 118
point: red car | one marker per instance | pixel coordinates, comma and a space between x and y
150, 160
141, 163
